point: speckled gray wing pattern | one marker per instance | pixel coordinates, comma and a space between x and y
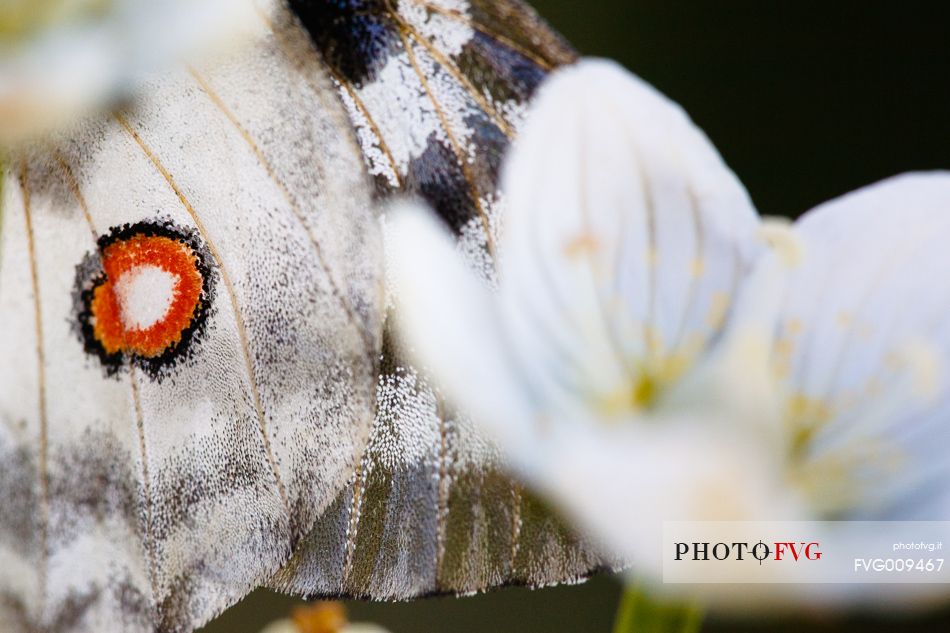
435, 90
143, 500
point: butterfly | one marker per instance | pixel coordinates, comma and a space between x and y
436, 91
190, 291
195, 344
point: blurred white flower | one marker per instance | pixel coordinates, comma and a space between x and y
62, 59
625, 243
321, 617
861, 346
646, 357
289, 626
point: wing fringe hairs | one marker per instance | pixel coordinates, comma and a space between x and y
148, 490
435, 91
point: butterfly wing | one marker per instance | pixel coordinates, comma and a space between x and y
435, 91
191, 294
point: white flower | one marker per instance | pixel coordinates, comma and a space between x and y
320, 617
62, 59
646, 357
289, 626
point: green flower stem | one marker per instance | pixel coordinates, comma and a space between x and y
639, 612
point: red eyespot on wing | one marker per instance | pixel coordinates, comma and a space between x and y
135, 270
145, 296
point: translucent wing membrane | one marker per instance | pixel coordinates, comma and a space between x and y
191, 299
435, 90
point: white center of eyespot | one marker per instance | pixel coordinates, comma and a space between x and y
145, 295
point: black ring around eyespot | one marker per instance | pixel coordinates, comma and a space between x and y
90, 275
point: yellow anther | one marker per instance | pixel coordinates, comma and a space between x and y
582, 244
805, 417
794, 327
641, 393
698, 267
628, 399
645, 391
784, 348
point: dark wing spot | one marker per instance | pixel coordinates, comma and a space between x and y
437, 176
355, 37
502, 71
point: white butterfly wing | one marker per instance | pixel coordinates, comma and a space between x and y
151, 489
434, 90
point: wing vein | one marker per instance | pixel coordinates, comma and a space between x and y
299, 63
298, 214
43, 466
442, 504
147, 527
484, 30
456, 73
345, 85
148, 535
232, 295
456, 147
373, 126
352, 527
516, 524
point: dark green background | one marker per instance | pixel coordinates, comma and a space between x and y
806, 101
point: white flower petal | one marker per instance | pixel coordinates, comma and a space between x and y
447, 316
621, 483
864, 347
625, 241
733, 386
